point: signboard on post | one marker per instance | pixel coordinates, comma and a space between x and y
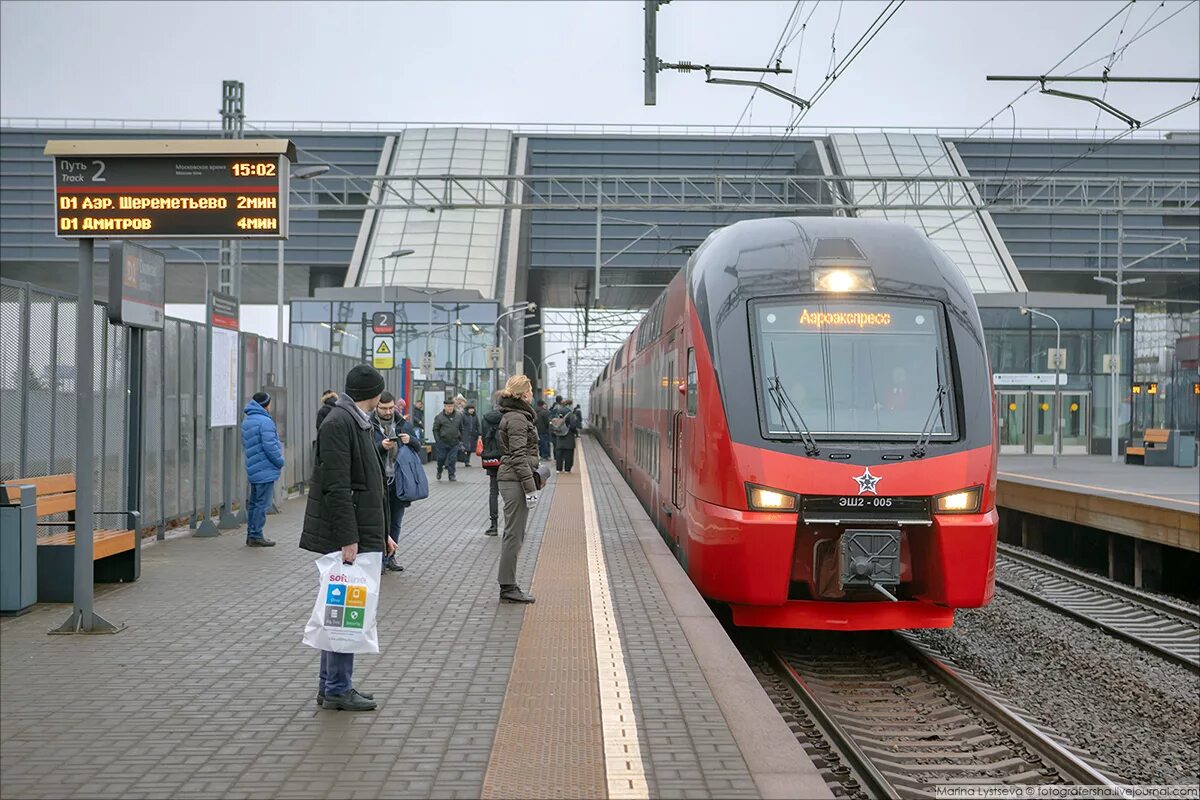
427, 365
137, 281
491, 357
194, 189
1056, 358
383, 352
1112, 363
223, 360
1027, 379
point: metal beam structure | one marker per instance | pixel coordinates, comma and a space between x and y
752, 193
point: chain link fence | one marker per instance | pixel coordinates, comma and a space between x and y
39, 405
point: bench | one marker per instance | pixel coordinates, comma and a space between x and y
115, 552
1156, 450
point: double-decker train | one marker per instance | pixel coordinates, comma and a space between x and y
806, 413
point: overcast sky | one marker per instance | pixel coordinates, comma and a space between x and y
575, 61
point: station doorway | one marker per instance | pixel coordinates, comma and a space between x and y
1026, 421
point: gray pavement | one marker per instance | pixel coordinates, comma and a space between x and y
209, 691
1165, 487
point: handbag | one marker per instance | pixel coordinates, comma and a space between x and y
343, 618
479, 447
541, 476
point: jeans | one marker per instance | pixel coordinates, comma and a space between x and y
493, 493
544, 445
396, 509
447, 457
337, 673
564, 459
256, 508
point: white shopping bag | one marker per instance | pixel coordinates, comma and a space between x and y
343, 619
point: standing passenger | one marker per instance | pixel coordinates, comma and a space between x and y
564, 442
328, 400
518, 484
491, 461
392, 432
470, 425
264, 462
345, 511
543, 429
447, 437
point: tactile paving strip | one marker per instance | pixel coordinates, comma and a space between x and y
549, 741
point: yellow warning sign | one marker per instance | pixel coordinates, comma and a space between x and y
382, 352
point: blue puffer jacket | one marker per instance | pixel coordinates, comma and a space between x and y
264, 456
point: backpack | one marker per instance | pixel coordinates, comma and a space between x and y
558, 426
490, 452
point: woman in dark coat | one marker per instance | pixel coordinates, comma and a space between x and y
345, 510
328, 400
518, 486
470, 430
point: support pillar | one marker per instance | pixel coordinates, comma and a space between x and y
1147, 565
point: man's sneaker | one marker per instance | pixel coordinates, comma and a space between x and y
453, 479
515, 595
321, 696
260, 543
391, 565
491, 531
350, 701
439, 475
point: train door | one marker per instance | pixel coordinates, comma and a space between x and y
687, 375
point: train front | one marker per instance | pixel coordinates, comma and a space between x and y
844, 462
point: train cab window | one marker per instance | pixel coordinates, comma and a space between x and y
691, 382
852, 367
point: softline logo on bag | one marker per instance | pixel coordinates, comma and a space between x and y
345, 606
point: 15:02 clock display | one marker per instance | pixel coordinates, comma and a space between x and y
253, 169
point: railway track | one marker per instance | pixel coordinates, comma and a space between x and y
885, 718
1169, 629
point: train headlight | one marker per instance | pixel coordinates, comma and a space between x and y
763, 499
843, 279
961, 502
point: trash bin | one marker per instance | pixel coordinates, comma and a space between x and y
18, 548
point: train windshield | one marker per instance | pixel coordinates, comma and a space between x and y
852, 368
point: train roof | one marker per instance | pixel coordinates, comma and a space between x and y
780, 252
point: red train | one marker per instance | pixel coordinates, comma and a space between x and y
806, 413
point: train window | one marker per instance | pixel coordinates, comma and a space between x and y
852, 367
691, 382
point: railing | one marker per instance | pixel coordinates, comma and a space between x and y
772, 193
40, 405
574, 128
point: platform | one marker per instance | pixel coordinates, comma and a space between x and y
618, 682
1157, 504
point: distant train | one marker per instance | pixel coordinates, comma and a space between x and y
807, 415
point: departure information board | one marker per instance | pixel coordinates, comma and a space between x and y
180, 196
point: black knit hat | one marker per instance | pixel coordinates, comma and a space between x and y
363, 383
262, 398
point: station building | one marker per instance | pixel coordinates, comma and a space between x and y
468, 265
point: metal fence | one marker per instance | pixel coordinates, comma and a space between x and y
39, 405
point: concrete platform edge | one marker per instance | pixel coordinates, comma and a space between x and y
777, 763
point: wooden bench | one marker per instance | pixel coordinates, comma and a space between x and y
1154, 451
116, 552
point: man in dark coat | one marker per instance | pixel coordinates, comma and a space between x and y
470, 426
345, 510
542, 421
447, 437
564, 441
392, 431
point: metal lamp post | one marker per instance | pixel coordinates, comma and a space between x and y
1057, 443
1114, 380
397, 253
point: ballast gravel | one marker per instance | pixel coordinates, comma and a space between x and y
1134, 711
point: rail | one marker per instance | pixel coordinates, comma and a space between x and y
1169, 629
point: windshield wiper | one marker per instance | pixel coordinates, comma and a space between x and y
787, 408
918, 451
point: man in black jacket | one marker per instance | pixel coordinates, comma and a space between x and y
542, 421
491, 455
470, 426
345, 510
448, 437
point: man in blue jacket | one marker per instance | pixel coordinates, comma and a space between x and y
264, 460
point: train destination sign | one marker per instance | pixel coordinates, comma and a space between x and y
191, 189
